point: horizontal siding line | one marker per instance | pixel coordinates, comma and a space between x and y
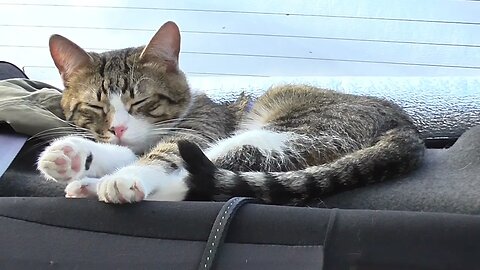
332, 60
257, 35
188, 72
226, 74
46, 47
81, 27
247, 12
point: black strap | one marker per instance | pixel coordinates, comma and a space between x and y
219, 230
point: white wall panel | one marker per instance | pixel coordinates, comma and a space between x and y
260, 38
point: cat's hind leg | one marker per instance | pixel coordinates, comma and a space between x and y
138, 182
162, 176
258, 150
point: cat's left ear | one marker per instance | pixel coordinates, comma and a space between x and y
164, 46
67, 56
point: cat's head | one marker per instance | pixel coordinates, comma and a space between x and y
124, 96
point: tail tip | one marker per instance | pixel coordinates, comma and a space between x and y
195, 160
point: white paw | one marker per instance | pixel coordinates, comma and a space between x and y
121, 189
82, 188
64, 160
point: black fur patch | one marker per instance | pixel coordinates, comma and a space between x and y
379, 171
88, 161
313, 188
242, 188
202, 171
171, 164
102, 66
279, 194
357, 176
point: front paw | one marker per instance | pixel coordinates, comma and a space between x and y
84, 188
64, 160
121, 189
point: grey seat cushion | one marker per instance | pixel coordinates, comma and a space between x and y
448, 181
58, 233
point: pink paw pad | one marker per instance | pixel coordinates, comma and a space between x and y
139, 194
60, 161
68, 163
67, 150
82, 192
76, 163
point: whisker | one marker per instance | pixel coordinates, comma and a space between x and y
187, 130
187, 134
177, 120
197, 139
64, 130
50, 135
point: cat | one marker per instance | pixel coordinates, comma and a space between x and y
155, 139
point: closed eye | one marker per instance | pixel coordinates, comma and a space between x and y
96, 107
140, 102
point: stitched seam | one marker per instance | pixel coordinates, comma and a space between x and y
331, 221
218, 230
97, 231
101, 232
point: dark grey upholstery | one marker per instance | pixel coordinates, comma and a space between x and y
448, 181
57, 233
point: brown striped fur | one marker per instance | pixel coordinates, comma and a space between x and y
341, 140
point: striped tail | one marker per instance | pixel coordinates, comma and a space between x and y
396, 152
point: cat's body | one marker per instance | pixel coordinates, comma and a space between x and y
293, 145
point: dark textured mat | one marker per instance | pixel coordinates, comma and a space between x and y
448, 181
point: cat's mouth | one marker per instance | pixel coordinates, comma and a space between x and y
135, 146
123, 143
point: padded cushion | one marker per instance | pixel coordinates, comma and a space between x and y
67, 234
448, 181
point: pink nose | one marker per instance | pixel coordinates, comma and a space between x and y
119, 130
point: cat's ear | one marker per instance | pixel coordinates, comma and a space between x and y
164, 46
67, 56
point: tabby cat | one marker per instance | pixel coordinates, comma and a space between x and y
292, 145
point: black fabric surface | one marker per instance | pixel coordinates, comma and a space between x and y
278, 257
36, 246
448, 181
79, 234
9, 70
28, 245
169, 220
